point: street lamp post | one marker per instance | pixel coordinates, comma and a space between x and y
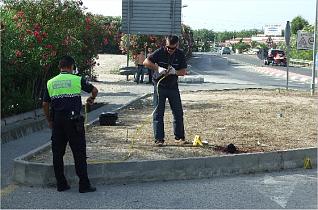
183, 6
314, 53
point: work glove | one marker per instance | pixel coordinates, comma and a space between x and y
162, 70
172, 71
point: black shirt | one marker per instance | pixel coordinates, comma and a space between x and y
68, 104
177, 60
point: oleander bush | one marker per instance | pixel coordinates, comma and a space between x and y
35, 34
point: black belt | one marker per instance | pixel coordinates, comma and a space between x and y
65, 113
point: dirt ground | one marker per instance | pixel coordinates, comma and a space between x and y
252, 120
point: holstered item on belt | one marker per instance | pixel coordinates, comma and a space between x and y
78, 120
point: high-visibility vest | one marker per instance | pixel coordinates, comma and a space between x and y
64, 85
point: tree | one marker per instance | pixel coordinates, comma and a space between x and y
241, 46
226, 35
203, 35
203, 38
309, 28
298, 23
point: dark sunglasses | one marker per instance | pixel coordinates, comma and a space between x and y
171, 48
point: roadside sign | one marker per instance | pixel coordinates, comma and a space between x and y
262, 53
151, 17
287, 33
273, 30
305, 40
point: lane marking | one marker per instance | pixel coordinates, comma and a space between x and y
277, 72
280, 188
277, 189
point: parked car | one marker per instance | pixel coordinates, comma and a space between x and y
275, 57
225, 50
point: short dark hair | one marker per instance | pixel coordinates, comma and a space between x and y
66, 61
172, 39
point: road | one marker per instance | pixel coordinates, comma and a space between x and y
241, 68
252, 59
286, 189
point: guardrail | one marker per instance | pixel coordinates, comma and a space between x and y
300, 62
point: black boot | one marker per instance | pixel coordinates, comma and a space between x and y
87, 189
61, 188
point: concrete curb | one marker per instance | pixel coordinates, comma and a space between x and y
108, 172
96, 120
23, 116
191, 79
40, 174
13, 132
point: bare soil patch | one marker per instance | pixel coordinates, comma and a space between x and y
252, 120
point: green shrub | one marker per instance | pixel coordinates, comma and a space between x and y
35, 34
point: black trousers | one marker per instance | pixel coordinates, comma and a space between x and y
64, 130
150, 75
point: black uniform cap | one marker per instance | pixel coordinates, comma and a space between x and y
66, 61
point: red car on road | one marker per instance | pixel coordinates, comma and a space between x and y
276, 57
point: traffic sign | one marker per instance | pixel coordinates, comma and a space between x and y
287, 33
305, 40
151, 17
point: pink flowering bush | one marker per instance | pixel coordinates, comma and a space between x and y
34, 36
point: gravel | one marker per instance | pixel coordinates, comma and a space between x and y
252, 120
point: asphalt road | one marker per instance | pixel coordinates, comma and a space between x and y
287, 189
16, 148
252, 59
240, 69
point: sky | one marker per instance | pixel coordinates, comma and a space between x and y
226, 15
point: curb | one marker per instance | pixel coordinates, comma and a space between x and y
96, 120
110, 172
191, 79
12, 133
40, 174
23, 116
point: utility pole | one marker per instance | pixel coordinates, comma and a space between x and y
314, 54
287, 40
128, 42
